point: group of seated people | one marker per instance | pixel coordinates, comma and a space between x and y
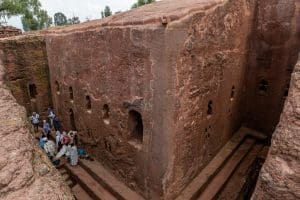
65, 143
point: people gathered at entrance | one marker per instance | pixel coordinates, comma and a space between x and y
56, 143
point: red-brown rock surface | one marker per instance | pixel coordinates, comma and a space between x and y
8, 31
280, 175
25, 171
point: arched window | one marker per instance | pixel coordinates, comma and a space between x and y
210, 108
32, 91
88, 103
57, 87
135, 125
71, 93
263, 87
232, 93
105, 114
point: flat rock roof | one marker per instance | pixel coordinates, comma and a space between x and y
150, 14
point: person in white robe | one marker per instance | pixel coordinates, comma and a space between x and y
57, 138
50, 148
73, 155
62, 152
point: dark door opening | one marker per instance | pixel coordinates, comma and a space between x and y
57, 87
32, 91
232, 93
72, 120
88, 103
71, 93
105, 114
135, 125
210, 108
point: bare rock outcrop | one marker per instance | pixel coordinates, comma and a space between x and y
280, 175
8, 31
25, 171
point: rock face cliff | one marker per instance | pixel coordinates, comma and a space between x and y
280, 175
25, 171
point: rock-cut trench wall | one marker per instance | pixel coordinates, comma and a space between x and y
280, 175
25, 171
27, 72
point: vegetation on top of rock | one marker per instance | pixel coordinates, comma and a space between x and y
60, 19
36, 20
73, 20
32, 16
141, 3
107, 12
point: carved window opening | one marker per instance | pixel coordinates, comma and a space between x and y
105, 114
32, 91
263, 87
107, 146
72, 119
71, 93
88, 103
210, 108
57, 87
207, 134
135, 125
232, 93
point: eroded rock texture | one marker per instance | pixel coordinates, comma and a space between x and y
280, 175
25, 172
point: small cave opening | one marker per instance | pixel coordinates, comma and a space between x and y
72, 119
32, 91
263, 87
135, 125
88, 103
210, 108
71, 93
105, 114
